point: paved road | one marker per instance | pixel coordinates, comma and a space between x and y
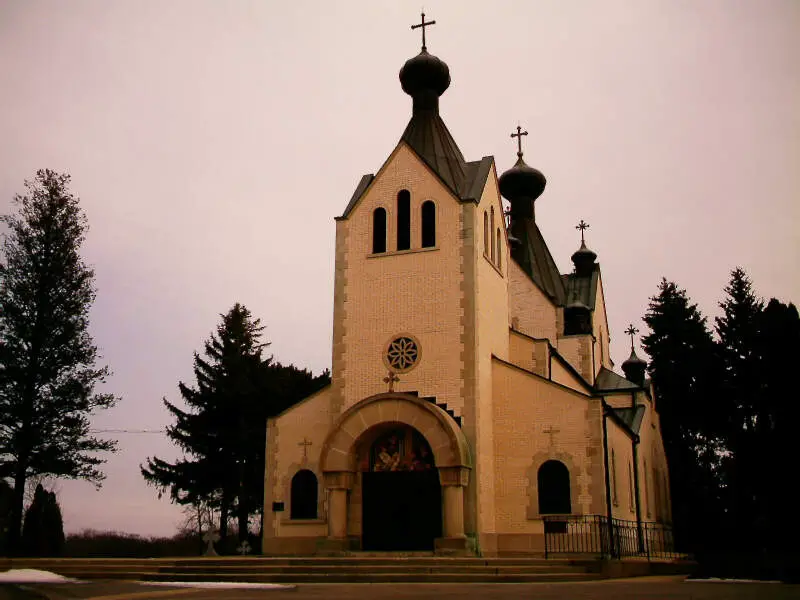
661, 588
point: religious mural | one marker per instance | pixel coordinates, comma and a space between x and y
402, 449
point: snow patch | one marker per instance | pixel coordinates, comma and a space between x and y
220, 584
33, 576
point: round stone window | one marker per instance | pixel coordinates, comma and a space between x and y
402, 354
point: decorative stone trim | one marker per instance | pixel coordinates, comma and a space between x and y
393, 347
454, 476
339, 480
532, 510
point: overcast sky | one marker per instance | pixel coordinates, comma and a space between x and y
213, 143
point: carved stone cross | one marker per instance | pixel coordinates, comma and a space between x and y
305, 444
244, 548
551, 432
210, 537
391, 379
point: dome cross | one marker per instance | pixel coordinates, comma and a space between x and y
519, 135
583, 226
424, 24
631, 331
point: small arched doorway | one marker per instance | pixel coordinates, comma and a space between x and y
401, 494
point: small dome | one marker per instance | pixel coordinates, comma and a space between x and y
522, 182
425, 73
577, 305
634, 368
583, 259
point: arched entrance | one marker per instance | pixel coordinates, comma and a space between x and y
401, 497
353, 449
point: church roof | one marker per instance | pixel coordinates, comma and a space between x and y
582, 288
632, 417
608, 381
535, 259
429, 137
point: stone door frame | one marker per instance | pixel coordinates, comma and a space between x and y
339, 462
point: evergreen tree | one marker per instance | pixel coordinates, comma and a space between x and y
684, 369
224, 430
43, 530
746, 429
47, 357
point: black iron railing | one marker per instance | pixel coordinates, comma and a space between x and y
591, 535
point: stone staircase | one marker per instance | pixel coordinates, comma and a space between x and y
347, 569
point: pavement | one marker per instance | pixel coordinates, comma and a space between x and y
644, 588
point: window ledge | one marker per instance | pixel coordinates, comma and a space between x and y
288, 521
399, 252
494, 266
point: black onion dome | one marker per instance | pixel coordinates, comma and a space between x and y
583, 259
425, 72
522, 182
633, 361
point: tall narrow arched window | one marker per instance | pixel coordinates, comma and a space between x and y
486, 233
428, 224
499, 247
379, 230
304, 495
491, 223
403, 220
553, 483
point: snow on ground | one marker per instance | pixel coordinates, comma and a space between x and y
32, 576
219, 584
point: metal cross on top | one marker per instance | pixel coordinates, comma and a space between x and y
391, 379
583, 226
424, 24
519, 135
631, 331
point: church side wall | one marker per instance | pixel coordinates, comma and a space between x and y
577, 351
560, 374
307, 422
653, 472
536, 421
491, 325
532, 355
531, 311
620, 464
602, 350
415, 292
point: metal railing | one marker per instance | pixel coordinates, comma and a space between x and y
591, 535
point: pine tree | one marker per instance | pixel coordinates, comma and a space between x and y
47, 357
43, 530
684, 369
224, 429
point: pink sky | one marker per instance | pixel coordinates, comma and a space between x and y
212, 143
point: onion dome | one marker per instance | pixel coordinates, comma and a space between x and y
634, 368
521, 182
425, 74
577, 318
583, 259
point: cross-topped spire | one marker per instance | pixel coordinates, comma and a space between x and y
583, 226
631, 331
424, 24
519, 135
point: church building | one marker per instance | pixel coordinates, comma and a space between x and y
473, 404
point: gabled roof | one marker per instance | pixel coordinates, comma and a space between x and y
632, 417
533, 256
608, 381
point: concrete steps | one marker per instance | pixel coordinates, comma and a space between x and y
320, 570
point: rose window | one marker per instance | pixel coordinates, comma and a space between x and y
402, 354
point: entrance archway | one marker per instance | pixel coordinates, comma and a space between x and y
342, 465
401, 497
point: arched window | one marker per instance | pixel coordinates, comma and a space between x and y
428, 224
499, 254
379, 230
491, 222
486, 233
553, 483
304, 495
403, 220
